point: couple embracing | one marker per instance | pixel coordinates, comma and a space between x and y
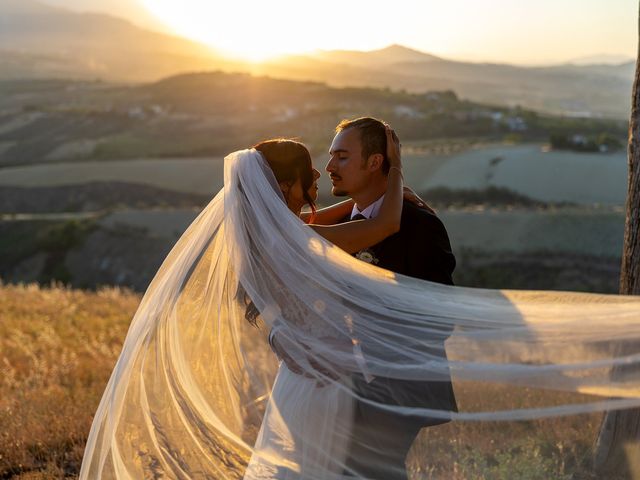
196, 394
327, 429
357, 302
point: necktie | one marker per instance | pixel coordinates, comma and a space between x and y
358, 216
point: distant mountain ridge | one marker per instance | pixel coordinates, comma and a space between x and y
39, 41
601, 59
90, 45
384, 56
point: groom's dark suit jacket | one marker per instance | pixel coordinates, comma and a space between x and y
420, 249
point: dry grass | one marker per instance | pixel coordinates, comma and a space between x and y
58, 346
555, 448
57, 349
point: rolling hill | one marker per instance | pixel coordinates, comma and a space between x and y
213, 113
575, 90
37, 40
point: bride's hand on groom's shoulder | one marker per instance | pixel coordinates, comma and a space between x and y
411, 196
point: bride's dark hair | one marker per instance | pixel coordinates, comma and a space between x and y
289, 160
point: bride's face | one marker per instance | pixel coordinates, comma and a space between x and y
295, 193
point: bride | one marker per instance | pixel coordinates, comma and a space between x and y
193, 394
308, 420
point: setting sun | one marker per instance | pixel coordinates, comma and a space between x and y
260, 30
492, 30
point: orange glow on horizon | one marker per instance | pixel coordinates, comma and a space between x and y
258, 31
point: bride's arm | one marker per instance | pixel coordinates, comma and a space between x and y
338, 211
329, 215
354, 236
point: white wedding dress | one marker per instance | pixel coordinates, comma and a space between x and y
305, 432
306, 428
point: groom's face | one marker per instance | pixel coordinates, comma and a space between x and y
346, 167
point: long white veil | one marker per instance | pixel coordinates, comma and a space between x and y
187, 396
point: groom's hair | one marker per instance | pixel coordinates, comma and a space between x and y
372, 136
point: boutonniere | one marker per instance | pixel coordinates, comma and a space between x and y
367, 256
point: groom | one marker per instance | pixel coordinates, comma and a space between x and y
380, 439
421, 249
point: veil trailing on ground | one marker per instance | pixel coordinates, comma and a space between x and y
188, 394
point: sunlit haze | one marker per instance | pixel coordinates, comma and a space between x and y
522, 32
258, 30
501, 31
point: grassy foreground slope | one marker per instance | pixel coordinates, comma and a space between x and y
58, 347
57, 350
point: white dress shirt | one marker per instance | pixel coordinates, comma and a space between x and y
371, 211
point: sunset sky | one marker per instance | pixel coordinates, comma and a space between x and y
509, 31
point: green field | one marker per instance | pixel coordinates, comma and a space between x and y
194, 175
571, 231
554, 246
550, 176
582, 178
